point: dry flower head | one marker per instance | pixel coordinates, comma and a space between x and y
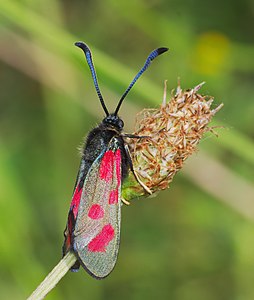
170, 134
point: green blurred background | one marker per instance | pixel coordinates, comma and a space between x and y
193, 241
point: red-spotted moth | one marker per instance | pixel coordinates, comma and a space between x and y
93, 227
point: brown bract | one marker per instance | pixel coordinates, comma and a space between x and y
172, 133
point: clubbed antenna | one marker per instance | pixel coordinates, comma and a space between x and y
89, 59
150, 58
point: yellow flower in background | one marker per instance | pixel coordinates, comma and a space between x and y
211, 53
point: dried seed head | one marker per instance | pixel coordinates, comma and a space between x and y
169, 134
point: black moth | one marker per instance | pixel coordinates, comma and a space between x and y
93, 227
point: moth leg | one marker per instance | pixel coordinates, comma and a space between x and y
134, 136
125, 201
134, 172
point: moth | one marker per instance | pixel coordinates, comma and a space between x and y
93, 227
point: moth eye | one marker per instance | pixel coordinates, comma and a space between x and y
121, 123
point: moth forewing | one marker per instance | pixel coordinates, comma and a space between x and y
97, 230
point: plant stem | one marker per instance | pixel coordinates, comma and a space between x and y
54, 277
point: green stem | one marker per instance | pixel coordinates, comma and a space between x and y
54, 277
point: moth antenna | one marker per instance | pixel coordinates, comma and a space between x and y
89, 60
149, 59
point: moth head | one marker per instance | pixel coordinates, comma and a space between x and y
114, 121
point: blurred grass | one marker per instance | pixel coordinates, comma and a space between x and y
186, 247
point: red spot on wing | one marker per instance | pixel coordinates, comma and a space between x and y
96, 212
76, 200
106, 167
118, 161
102, 239
113, 197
